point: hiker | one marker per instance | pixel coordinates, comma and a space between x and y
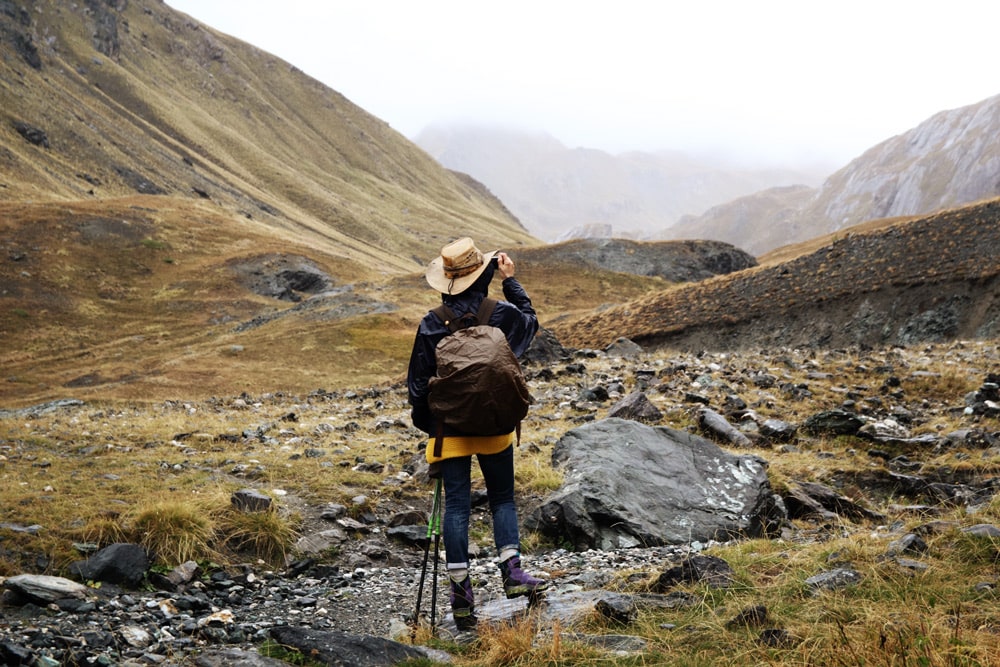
462, 274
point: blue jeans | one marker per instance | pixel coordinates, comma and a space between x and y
498, 473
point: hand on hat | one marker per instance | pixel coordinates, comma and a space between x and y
505, 265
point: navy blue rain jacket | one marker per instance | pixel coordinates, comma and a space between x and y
514, 316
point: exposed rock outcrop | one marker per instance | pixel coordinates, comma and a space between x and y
675, 261
282, 277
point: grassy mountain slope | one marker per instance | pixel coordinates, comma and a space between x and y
145, 158
139, 298
148, 298
144, 99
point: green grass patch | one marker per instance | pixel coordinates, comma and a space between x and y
272, 649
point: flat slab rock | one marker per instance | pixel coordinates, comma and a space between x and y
45, 588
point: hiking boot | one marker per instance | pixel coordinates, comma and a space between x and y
463, 603
517, 582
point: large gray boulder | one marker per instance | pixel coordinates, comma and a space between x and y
627, 484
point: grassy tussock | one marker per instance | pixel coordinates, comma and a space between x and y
537, 477
266, 535
940, 387
505, 644
104, 530
176, 532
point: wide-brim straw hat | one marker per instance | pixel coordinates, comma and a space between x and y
458, 266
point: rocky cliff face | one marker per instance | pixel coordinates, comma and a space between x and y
953, 158
949, 160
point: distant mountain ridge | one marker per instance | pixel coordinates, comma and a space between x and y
926, 279
560, 193
951, 159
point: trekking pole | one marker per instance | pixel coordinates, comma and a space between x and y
433, 525
436, 529
420, 590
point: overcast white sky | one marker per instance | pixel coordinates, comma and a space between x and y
791, 81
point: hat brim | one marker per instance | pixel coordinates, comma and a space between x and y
442, 283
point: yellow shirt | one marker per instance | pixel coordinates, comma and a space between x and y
467, 445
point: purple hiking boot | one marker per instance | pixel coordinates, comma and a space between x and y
517, 582
463, 603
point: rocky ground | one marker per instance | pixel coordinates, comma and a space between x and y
240, 609
902, 416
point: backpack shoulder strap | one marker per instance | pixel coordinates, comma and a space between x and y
456, 322
447, 316
486, 309
439, 440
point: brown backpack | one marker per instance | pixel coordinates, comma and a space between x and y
479, 387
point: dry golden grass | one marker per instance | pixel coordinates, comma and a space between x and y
86, 475
893, 617
114, 320
265, 535
163, 476
170, 333
175, 532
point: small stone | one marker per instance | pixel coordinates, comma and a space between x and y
777, 638
833, 579
251, 500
